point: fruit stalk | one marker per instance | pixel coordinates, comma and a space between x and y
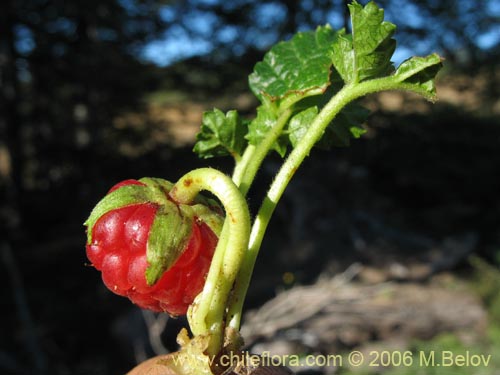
207, 313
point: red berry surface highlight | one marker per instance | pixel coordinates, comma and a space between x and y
118, 250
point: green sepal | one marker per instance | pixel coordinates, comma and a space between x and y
154, 191
211, 215
122, 197
165, 246
206, 210
168, 237
159, 186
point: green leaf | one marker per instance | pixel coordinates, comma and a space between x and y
298, 67
260, 127
168, 236
418, 73
366, 53
220, 135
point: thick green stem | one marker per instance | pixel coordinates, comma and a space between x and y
252, 159
207, 313
346, 95
241, 165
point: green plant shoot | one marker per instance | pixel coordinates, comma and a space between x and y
308, 89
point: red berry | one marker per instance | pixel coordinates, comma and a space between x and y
118, 249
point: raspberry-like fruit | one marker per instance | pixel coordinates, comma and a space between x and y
118, 248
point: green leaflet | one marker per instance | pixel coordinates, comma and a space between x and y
298, 67
220, 135
418, 74
298, 77
262, 125
366, 53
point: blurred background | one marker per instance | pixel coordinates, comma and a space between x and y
397, 247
